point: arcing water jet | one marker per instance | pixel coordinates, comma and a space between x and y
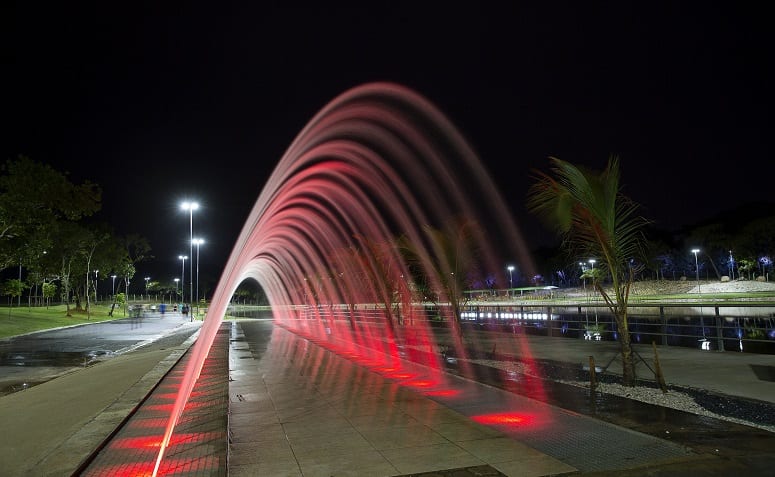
377, 206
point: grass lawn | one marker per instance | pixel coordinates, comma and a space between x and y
17, 321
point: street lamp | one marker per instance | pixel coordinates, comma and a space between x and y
176, 288
695, 251
510, 268
114, 287
197, 242
183, 280
704, 343
190, 207
592, 262
96, 274
146, 287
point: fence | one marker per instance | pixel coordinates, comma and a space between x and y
749, 328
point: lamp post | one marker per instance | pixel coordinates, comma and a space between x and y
96, 274
731, 266
704, 343
197, 242
695, 251
176, 288
146, 288
183, 279
592, 263
114, 287
190, 207
510, 268
126, 293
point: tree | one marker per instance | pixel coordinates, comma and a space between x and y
446, 262
120, 300
595, 219
33, 197
381, 266
13, 288
49, 289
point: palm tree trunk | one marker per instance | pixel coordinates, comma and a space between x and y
628, 365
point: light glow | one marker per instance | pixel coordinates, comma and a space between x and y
376, 163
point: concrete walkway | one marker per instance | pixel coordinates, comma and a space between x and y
50, 428
302, 406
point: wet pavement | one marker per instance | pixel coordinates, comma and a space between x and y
32, 359
722, 447
586, 440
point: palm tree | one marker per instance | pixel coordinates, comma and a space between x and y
448, 256
594, 218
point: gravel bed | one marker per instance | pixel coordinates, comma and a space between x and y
696, 401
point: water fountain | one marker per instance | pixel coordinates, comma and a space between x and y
377, 203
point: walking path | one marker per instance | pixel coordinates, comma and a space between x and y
301, 406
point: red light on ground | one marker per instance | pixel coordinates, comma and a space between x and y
134, 470
399, 375
442, 393
369, 363
148, 424
195, 404
504, 419
420, 383
137, 442
385, 369
155, 441
169, 467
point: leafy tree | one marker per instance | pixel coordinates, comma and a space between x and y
92, 240
33, 198
595, 219
445, 262
756, 240
120, 300
68, 250
13, 288
127, 271
381, 264
49, 290
137, 248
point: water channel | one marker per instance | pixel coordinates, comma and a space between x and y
747, 329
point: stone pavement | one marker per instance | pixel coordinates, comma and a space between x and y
49, 429
300, 406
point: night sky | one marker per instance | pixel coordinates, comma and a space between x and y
163, 101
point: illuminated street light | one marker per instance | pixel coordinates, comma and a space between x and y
190, 207
704, 343
592, 262
510, 268
183, 280
114, 287
197, 242
146, 287
176, 288
695, 251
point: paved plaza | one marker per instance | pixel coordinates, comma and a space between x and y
270, 402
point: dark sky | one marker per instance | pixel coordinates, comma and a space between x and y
162, 101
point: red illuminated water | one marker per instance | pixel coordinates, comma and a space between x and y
377, 163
